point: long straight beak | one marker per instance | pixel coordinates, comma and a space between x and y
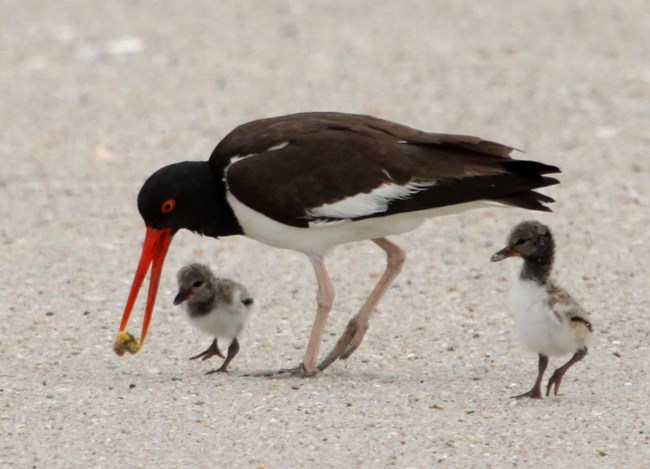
154, 250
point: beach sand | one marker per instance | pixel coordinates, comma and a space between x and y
95, 96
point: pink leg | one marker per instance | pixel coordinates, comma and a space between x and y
358, 325
324, 298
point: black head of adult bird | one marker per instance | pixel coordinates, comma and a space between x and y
311, 181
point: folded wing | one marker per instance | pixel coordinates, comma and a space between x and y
312, 168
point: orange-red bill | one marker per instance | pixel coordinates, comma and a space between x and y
154, 250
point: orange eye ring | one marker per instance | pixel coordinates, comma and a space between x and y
168, 205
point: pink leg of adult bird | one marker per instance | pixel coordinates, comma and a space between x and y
358, 325
324, 298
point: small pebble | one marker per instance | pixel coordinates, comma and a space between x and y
125, 45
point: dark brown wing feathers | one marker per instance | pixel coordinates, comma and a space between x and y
328, 157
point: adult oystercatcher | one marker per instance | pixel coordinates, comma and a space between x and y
311, 181
217, 306
548, 320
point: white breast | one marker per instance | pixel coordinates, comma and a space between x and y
225, 321
537, 326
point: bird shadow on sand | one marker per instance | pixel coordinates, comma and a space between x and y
347, 374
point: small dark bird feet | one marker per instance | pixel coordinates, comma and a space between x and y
554, 382
536, 391
210, 352
233, 349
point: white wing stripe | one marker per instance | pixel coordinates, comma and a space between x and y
279, 146
366, 204
234, 160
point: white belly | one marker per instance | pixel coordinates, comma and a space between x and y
221, 322
537, 326
318, 240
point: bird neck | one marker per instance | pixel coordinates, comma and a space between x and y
223, 221
210, 215
201, 307
538, 267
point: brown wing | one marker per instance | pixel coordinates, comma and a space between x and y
295, 163
563, 303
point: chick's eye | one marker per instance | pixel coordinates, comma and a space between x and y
247, 301
520, 242
168, 205
197, 284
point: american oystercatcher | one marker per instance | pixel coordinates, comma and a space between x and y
547, 319
216, 306
311, 181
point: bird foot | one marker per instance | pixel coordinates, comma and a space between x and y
351, 348
554, 382
534, 393
346, 345
217, 370
298, 372
210, 352
206, 355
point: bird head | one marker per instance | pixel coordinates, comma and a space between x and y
529, 239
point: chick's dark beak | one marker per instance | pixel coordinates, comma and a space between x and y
182, 295
504, 253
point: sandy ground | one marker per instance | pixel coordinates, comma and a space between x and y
95, 96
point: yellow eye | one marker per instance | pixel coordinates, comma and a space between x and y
168, 205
